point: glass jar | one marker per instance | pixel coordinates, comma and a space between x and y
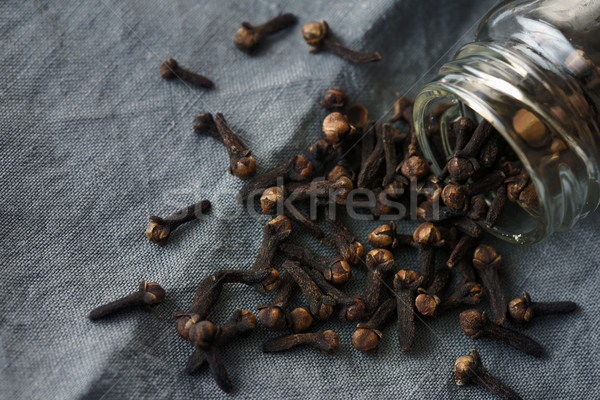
533, 73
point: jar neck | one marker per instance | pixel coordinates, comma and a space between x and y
496, 81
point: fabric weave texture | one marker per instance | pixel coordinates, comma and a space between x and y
94, 142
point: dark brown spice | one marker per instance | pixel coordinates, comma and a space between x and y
370, 166
159, 229
428, 300
334, 191
334, 98
248, 37
317, 36
481, 133
320, 305
470, 369
486, 262
466, 293
528, 198
476, 325
463, 130
273, 315
367, 336
379, 262
389, 150
325, 341
336, 128
170, 69
401, 104
496, 207
406, 283
241, 161
275, 231
523, 310
426, 238
334, 269
357, 115
348, 247
385, 236
299, 319
148, 294
516, 183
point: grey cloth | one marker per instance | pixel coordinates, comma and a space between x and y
94, 142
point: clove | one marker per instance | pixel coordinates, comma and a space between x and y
248, 37
496, 207
148, 294
335, 269
385, 236
466, 293
401, 104
337, 191
367, 336
523, 310
325, 341
159, 229
275, 231
170, 69
241, 161
477, 325
406, 283
316, 34
426, 238
272, 315
470, 369
334, 98
320, 305
348, 247
389, 151
379, 262
428, 300
486, 262
336, 128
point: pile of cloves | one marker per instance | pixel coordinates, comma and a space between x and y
384, 162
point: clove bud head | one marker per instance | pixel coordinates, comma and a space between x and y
472, 322
314, 32
331, 341
185, 322
157, 233
248, 316
485, 255
299, 319
335, 127
270, 198
247, 38
463, 369
453, 197
202, 333
366, 339
519, 311
380, 259
167, 69
337, 172
427, 304
382, 236
325, 311
460, 169
405, 278
155, 294
273, 318
272, 281
334, 98
356, 311
342, 187
415, 168
245, 166
427, 233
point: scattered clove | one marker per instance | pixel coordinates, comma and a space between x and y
337, 191
523, 310
367, 336
428, 300
334, 98
320, 305
406, 283
325, 341
379, 262
336, 128
275, 231
272, 315
299, 319
385, 236
401, 104
348, 247
486, 262
248, 37
470, 369
477, 325
335, 269
159, 229
241, 161
316, 34
427, 237
170, 69
466, 293
148, 294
